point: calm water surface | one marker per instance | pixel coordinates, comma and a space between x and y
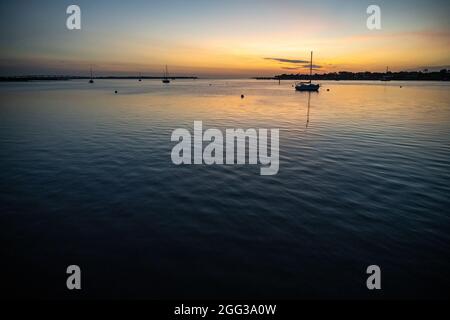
86, 178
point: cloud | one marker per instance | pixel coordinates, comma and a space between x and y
286, 60
305, 67
294, 64
314, 66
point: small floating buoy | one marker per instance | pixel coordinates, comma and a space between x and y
401, 86
328, 89
115, 91
242, 96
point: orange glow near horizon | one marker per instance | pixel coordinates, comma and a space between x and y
239, 57
231, 39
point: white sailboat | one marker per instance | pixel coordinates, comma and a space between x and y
308, 86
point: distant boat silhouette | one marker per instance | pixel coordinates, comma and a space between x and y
308, 86
92, 79
140, 77
166, 76
386, 77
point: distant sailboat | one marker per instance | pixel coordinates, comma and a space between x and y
140, 77
166, 76
386, 77
92, 79
308, 86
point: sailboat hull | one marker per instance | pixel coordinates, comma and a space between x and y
307, 87
166, 81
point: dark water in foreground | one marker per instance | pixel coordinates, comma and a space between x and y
86, 178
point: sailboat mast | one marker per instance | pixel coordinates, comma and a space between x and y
310, 68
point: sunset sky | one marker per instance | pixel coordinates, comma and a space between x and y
221, 38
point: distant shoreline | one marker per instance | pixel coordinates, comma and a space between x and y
443, 75
67, 78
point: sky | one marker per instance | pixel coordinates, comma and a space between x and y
221, 38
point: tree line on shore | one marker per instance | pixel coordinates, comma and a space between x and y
443, 75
